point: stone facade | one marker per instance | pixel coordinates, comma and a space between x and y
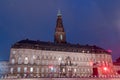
4, 68
117, 67
49, 63
59, 58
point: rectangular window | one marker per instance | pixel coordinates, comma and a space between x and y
11, 70
19, 69
25, 69
37, 70
31, 69
42, 70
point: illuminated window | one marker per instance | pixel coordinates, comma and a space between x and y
13, 61
26, 60
59, 58
18, 69
61, 36
75, 70
34, 57
63, 70
83, 51
88, 51
11, 70
31, 69
25, 69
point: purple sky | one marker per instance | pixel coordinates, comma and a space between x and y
93, 22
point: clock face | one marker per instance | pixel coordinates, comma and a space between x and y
61, 37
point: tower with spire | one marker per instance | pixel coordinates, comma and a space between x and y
59, 36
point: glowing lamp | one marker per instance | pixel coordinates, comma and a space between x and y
105, 69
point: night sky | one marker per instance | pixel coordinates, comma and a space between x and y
93, 22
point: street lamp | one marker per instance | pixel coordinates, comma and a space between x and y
105, 68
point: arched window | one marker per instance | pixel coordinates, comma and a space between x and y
68, 60
31, 69
75, 70
11, 70
25, 69
19, 60
37, 70
63, 70
38, 60
18, 69
13, 61
32, 61
26, 60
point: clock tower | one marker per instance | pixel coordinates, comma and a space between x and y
59, 36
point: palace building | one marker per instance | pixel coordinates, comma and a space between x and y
30, 58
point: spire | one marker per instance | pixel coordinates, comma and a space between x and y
59, 20
59, 13
59, 36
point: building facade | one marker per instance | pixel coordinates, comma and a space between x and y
117, 67
4, 68
30, 58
